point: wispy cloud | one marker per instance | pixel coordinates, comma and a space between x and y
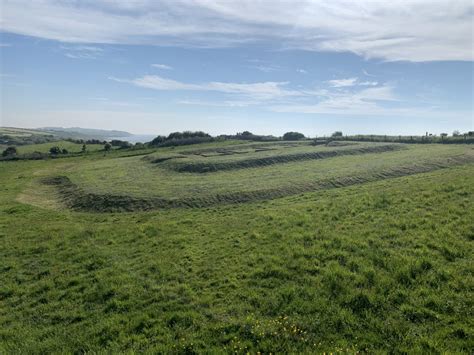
260, 90
397, 30
225, 103
343, 97
5, 45
267, 68
162, 66
367, 74
363, 102
82, 52
368, 83
302, 71
341, 83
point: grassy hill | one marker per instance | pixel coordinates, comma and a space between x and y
240, 247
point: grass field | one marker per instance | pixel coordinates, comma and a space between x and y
71, 147
21, 132
368, 251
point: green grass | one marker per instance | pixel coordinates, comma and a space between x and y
70, 146
21, 132
384, 266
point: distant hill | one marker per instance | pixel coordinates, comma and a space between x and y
77, 132
23, 136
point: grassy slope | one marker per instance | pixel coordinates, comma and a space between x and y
380, 266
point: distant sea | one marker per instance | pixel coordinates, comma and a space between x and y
136, 138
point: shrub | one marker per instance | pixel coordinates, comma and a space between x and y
55, 150
10, 151
120, 144
107, 147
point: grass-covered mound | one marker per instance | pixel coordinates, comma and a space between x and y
255, 162
122, 176
76, 198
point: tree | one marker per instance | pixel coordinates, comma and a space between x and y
337, 134
84, 148
64, 151
107, 147
293, 136
245, 134
10, 151
158, 140
456, 133
55, 150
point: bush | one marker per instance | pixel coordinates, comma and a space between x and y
337, 134
120, 144
107, 147
293, 136
55, 150
10, 151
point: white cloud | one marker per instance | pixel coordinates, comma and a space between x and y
340, 83
267, 68
302, 71
5, 45
162, 66
262, 91
363, 102
367, 74
225, 103
344, 98
82, 52
368, 83
414, 30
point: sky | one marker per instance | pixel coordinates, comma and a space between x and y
222, 66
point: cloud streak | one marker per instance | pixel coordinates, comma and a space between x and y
82, 52
363, 102
342, 83
408, 30
260, 90
343, 96
162, 66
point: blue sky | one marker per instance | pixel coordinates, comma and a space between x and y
154, 67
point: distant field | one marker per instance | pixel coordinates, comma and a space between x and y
364, 251
21, 132
45, 147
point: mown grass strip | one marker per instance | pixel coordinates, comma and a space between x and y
78, 199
